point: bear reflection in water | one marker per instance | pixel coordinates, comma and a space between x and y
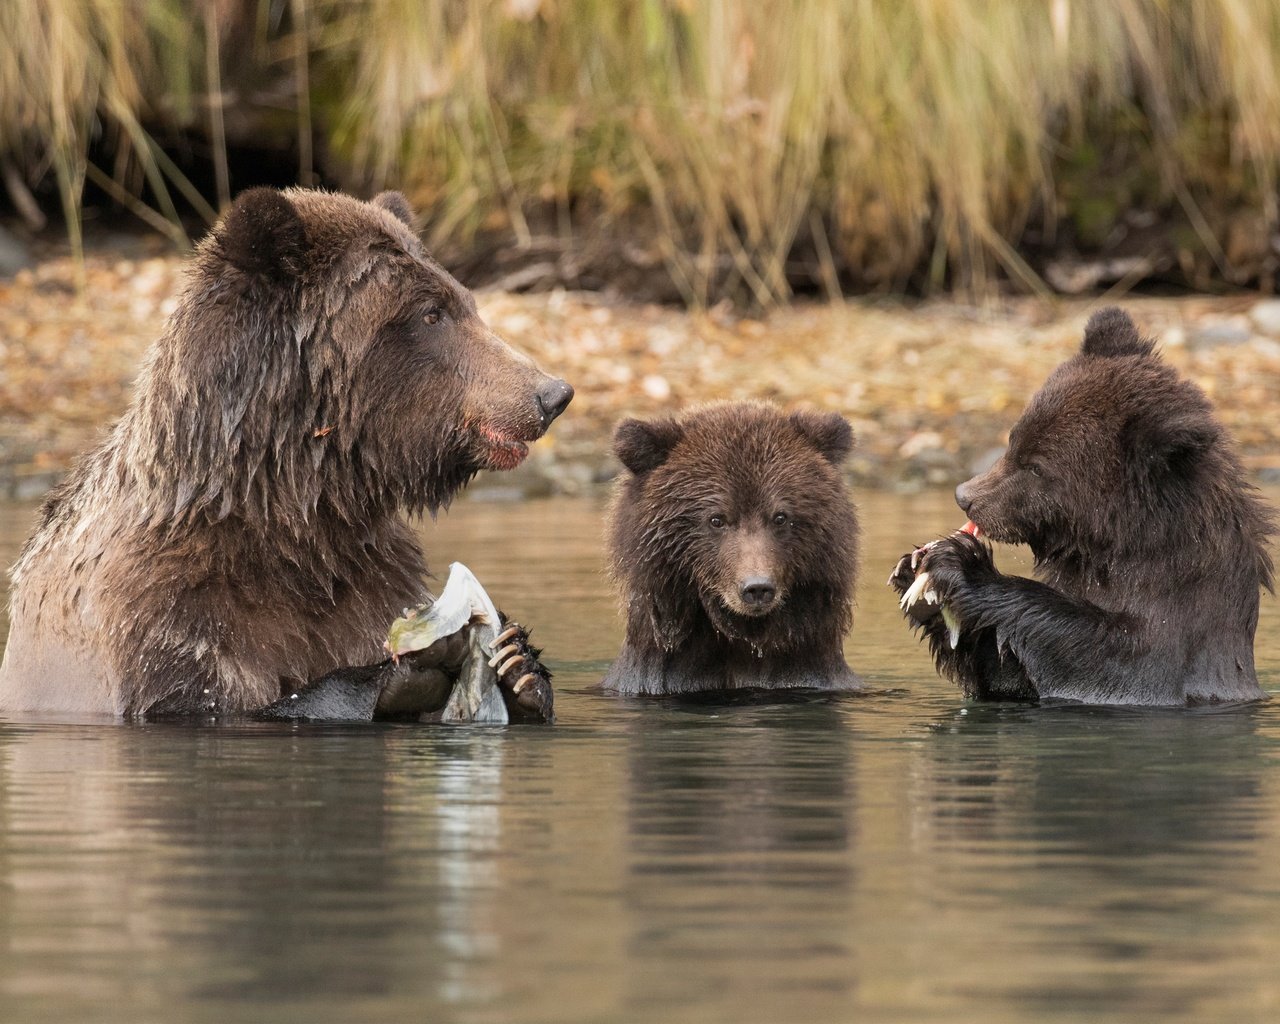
1151, 544
735, 546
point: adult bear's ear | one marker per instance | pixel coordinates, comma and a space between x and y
262, 234
643, 445
828, 432
1112, 332
396, 204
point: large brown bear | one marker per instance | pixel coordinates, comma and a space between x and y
1149, 540
239, 530
735, 546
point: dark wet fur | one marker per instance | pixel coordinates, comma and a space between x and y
1150, 544
744, 462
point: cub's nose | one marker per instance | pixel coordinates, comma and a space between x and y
553, 398
757, 592
964, 496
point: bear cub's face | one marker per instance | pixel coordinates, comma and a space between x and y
739, 509
1112, 435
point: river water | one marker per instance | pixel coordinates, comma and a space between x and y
894, 856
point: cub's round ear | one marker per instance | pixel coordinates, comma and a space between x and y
1111, 332
262, 234
396, 204
645, 445
828, 432
1179, 443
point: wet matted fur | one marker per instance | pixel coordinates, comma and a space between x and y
239, 531
1150, 544
734, 544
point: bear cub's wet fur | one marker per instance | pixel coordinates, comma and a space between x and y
734, 544
1150, 543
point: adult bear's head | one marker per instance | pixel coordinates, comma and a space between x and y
320, 359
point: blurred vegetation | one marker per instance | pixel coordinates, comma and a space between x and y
740, 145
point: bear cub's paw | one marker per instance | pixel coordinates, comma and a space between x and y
525, 683
936, 581
956, 565
904, 578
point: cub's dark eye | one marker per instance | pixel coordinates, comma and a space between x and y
779, 519
717, 522
432, 316
1035, 469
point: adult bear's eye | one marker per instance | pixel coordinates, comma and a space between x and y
717, 522
432, 316
779, 519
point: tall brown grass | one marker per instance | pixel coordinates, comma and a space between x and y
893, 142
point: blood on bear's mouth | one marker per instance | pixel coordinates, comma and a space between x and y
500, 450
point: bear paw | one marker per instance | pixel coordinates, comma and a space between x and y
912, 586
955, 564
523, 680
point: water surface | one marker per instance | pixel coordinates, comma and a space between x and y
896, 856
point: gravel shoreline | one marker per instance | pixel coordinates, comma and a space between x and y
931, 389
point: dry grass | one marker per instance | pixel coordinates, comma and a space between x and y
894, 141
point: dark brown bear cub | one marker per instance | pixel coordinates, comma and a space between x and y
734, 543
1150, 543
239, 531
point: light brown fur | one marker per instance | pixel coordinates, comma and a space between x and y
238, 531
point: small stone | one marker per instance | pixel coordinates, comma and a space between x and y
1214, 333
1265, 316
924, 441
656, 387
1267, 347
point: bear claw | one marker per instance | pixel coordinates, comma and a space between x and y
503, 637
916, 590
530, 696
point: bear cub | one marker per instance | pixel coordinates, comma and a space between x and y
734, 544
1151, 545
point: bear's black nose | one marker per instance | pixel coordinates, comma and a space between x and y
553, 398
963, 496
757, 591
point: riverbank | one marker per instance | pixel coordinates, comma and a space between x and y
930, 388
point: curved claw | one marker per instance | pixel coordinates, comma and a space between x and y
915, 591
523, 681
509, 649
515, 659
503, 637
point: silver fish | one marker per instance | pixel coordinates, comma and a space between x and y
463, 604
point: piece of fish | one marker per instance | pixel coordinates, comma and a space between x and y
463, 604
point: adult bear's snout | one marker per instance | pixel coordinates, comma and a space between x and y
553, 398
964, 495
